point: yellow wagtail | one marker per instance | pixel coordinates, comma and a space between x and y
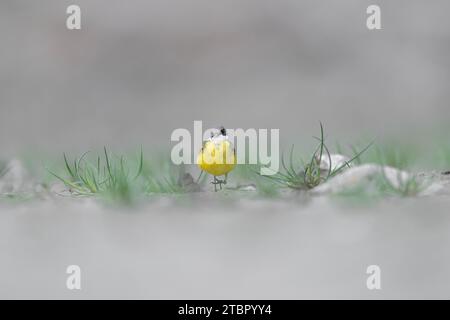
217, 157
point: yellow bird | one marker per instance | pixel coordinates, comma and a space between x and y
217, 157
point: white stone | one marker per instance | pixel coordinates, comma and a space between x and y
15, 178
337, 161
358, 175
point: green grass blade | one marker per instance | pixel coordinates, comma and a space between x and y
68, 167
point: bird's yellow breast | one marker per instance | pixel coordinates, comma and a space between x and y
217, 158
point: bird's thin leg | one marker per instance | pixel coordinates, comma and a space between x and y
215, 184
223, 181
198, 179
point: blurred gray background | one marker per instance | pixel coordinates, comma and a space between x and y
139, 69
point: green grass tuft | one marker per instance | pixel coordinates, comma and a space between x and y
410, 187
310, 175
160, 176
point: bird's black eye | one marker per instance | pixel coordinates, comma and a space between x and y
223, 131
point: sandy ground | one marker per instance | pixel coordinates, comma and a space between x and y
214, 247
